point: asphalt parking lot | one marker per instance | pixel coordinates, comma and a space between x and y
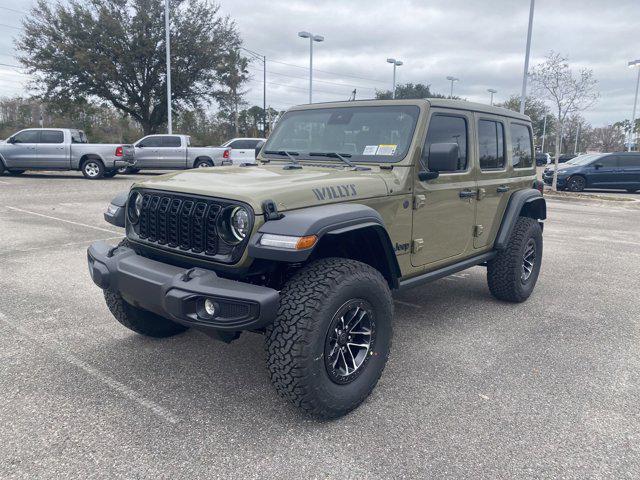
475, 388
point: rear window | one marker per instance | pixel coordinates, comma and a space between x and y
630, 161
521, 146
171, 141
491, 144
51, 136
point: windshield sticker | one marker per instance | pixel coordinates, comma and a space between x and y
370, 150
387, 149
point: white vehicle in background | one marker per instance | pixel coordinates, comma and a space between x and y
174, 152
243, 150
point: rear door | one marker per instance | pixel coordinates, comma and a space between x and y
444, 208
630, 170
22, 153
171, 153
492, 176
148, 151
52, 151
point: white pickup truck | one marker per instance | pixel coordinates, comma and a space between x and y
175, 152
62, 149
243, 150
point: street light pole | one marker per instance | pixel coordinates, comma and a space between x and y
396, 63
312, 38
636, 64
523, 96
168, 52
452, 79
575, 147
491, 91
544, 132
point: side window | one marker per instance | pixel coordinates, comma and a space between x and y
608, 161
51, 136
171, 141
150, 142
630, 161
28, 136
448, 129
521, 146
236, 144
491, 144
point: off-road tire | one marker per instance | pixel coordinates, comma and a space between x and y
139, 320
295, 343
577, 183
92, 169
505, 270
202, 163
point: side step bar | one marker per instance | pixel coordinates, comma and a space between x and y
445, 271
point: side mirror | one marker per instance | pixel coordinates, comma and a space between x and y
258, 148
597, 165
443, 157
11, 140
139, 146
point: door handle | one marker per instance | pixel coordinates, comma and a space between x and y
467, 193
502, 189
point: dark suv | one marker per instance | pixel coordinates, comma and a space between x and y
619, 170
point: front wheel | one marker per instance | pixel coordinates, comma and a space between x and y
576, 184
16, 172
513, 272
93, 169
332, 336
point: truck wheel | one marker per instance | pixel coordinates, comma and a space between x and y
203, 163
332, 336
93, 169
513, 273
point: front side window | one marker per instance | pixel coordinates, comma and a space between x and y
51, 136
448, 129
608, 161
171, 141
28, 136
521, 146
150, 142
370, 134
491, 145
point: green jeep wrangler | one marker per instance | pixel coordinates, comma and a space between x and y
346, 203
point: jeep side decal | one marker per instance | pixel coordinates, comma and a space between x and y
339, 191
401, 247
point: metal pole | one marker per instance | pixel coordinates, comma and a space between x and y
575, 147
311, 69
633, 116
451, 92
168, 44
491, 101
523, 96
264, 95
544, 132
393, 92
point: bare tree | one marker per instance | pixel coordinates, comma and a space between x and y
569, 93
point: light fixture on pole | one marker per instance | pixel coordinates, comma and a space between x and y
523, 95
452, 79
491, 91
168, 61
634, 64
395, 63
312, 38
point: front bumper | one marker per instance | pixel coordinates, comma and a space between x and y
178, 294
548, 179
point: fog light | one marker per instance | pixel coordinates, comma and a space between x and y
210, 307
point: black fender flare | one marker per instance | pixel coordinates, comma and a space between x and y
528, 203
115, 214
324, 221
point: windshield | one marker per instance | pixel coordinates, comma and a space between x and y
582, 159
369, 134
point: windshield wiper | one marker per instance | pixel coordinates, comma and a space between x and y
294, 162
341, 156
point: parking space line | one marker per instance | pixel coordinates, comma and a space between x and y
115, 385
4, 183
62, 220
407, 304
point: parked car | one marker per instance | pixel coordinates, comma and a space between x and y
243, 150
619, 170
62, 149
566, 157
174, 152
542, 159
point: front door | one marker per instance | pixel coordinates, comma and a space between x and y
52, 151
147, 152
444, 208
22, 153
603, 172
171, 153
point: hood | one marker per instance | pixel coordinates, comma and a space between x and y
289, 189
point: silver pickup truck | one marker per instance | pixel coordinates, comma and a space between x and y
62, 149
175, 152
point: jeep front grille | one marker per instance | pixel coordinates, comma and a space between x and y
185, 224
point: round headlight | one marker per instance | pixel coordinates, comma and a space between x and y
234, 224
135, 207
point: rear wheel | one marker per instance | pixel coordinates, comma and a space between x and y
203, 163
93, 169
513, 272
332, 336
576, 183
